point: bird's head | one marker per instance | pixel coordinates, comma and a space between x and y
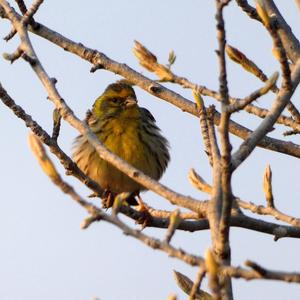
118, 99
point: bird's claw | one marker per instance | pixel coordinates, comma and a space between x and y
146, 218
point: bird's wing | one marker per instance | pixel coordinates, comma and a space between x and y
147, 114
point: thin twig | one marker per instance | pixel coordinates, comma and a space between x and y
248, 9
258, 273
28, 16
31, 11
21, 6
197, 283
254, 95
269, 211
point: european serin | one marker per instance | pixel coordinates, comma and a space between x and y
127, 130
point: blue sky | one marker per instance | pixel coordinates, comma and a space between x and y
44, 253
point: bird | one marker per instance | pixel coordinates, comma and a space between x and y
129, 131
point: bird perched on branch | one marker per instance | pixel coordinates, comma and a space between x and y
127, 130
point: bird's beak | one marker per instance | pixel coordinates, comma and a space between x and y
130, 101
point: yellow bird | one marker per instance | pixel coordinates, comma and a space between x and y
127, 130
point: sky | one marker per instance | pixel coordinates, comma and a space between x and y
44, 254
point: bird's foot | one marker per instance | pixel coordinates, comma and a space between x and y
107, 200
146, 218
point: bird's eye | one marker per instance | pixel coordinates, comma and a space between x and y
115, 100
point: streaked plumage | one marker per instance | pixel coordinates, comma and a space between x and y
127, 130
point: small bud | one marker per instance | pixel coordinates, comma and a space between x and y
267, 186
172, 58
172, 297
211, 263
276, 52
183, 282
119, 201
199, 100
149, 61
240, 58
198, 182
186, 285
40, 153
6, 56
175, 218
146, 58
56, 116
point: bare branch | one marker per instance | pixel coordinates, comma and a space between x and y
222, 194
261, 273
241, 221
269, 211
158, 213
